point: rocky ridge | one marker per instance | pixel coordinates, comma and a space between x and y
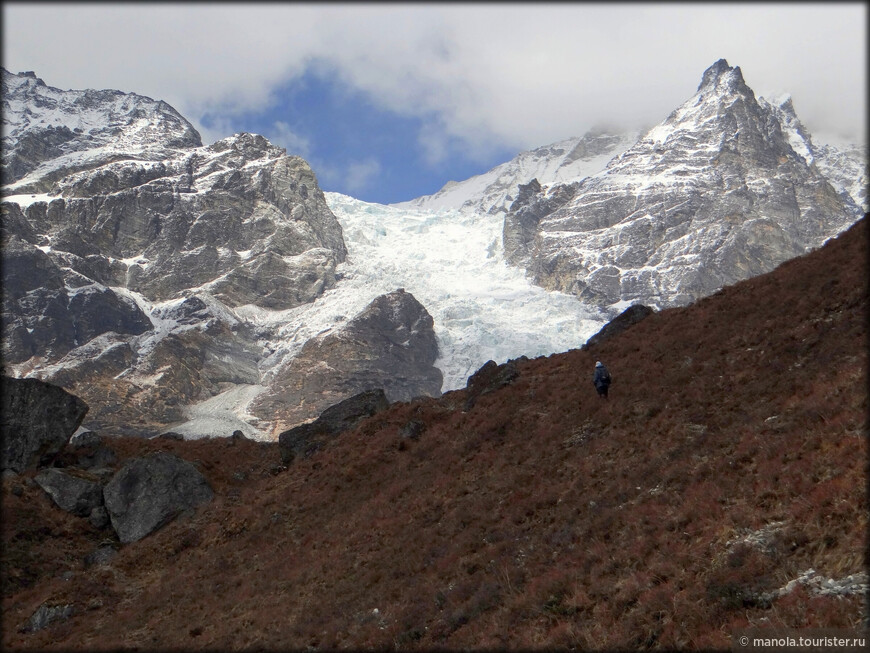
714, 194
128, 246
844, 165
49, 133
492, 192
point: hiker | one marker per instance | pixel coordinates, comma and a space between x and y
601, 379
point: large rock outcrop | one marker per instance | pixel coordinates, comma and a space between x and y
390, 345
71, 492
715, 194
149, 492
46, 317
305, 439
239, 219
628, 318
37, 420
127, 245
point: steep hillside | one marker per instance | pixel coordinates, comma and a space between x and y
721, 486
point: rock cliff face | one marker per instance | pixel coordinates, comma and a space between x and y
391, 345
126, 245
714, 194
844, 166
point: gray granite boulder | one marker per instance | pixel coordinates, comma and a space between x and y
88, 450
490, 377
37, 420
47, 615
305, 439
630, 316
149, 492
71, 493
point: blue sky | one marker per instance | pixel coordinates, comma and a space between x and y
355, 146
390, 101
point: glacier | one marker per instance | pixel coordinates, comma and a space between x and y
452, 262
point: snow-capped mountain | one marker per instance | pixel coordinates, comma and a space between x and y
126, 246
495, 190
205, 289
719, 191
843, 164
49, 133
184, 287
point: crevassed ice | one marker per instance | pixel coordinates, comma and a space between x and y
452, 263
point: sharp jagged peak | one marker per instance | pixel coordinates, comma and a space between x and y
721, 75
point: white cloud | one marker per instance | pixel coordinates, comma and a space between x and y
283, 136
509, 75
216, 129
359, 174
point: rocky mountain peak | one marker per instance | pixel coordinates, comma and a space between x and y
564, 161
12, 83
127, 245
48, 132
721, 190
722, 76
252, 146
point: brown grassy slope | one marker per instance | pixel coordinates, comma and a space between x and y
542, 517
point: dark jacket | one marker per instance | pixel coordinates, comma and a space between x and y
601, 377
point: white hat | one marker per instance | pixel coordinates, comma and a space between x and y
598, 364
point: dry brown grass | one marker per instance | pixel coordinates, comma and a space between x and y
540, 518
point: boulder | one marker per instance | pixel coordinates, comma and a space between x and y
71, 493
412, 430
149, 492
46, 615
103, 555
391, 344
87, 450
238, 436
347, 414
490, 377
305, 439
99, 517
630, 316
37, 420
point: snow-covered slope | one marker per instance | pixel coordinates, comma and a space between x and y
493, 192
48, 132
843, 164
451, 261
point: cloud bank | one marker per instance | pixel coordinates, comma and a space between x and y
482, 76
